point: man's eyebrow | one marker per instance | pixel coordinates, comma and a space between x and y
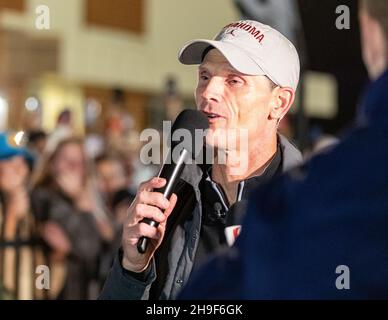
235, 72
228, 69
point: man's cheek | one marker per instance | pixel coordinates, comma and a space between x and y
232, 115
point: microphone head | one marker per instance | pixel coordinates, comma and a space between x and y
186, 131
190, 120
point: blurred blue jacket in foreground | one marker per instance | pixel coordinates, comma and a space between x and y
301, 227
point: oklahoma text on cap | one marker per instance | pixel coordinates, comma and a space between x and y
252, 48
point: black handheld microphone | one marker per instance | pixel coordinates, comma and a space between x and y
190, 120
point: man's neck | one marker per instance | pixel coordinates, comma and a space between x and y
259, 156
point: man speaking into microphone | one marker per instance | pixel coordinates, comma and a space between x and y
247, 78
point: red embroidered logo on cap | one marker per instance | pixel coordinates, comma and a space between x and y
248, 28
231, 32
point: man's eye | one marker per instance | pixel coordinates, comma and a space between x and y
203, 77
235, 81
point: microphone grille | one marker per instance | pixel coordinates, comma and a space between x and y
190, 121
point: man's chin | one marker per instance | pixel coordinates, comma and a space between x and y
212, 142
218, 136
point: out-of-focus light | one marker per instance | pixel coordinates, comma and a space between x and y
3, 113
3, 103
19, 137
31, 104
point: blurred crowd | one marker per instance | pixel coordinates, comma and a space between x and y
62, 207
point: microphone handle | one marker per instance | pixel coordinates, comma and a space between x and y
172, 173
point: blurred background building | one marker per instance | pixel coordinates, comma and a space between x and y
93, 49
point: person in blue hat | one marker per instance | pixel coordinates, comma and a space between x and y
17, 228
11, 145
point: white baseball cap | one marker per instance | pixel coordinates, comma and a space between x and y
252, 48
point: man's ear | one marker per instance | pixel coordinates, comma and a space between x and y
283, 99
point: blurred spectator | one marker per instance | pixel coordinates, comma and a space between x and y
19, 251
113, 184
173, 100
94, 145
141, 169
37, 141
63, 130
75, 224
119, 122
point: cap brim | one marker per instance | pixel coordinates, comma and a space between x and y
15, 152
192, 53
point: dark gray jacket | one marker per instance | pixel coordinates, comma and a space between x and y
173, 261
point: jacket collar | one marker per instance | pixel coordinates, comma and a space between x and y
192, 173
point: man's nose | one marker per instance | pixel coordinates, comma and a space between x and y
213, 90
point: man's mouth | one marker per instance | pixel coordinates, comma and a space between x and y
211, 115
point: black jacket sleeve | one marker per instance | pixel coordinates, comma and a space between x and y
124, 285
